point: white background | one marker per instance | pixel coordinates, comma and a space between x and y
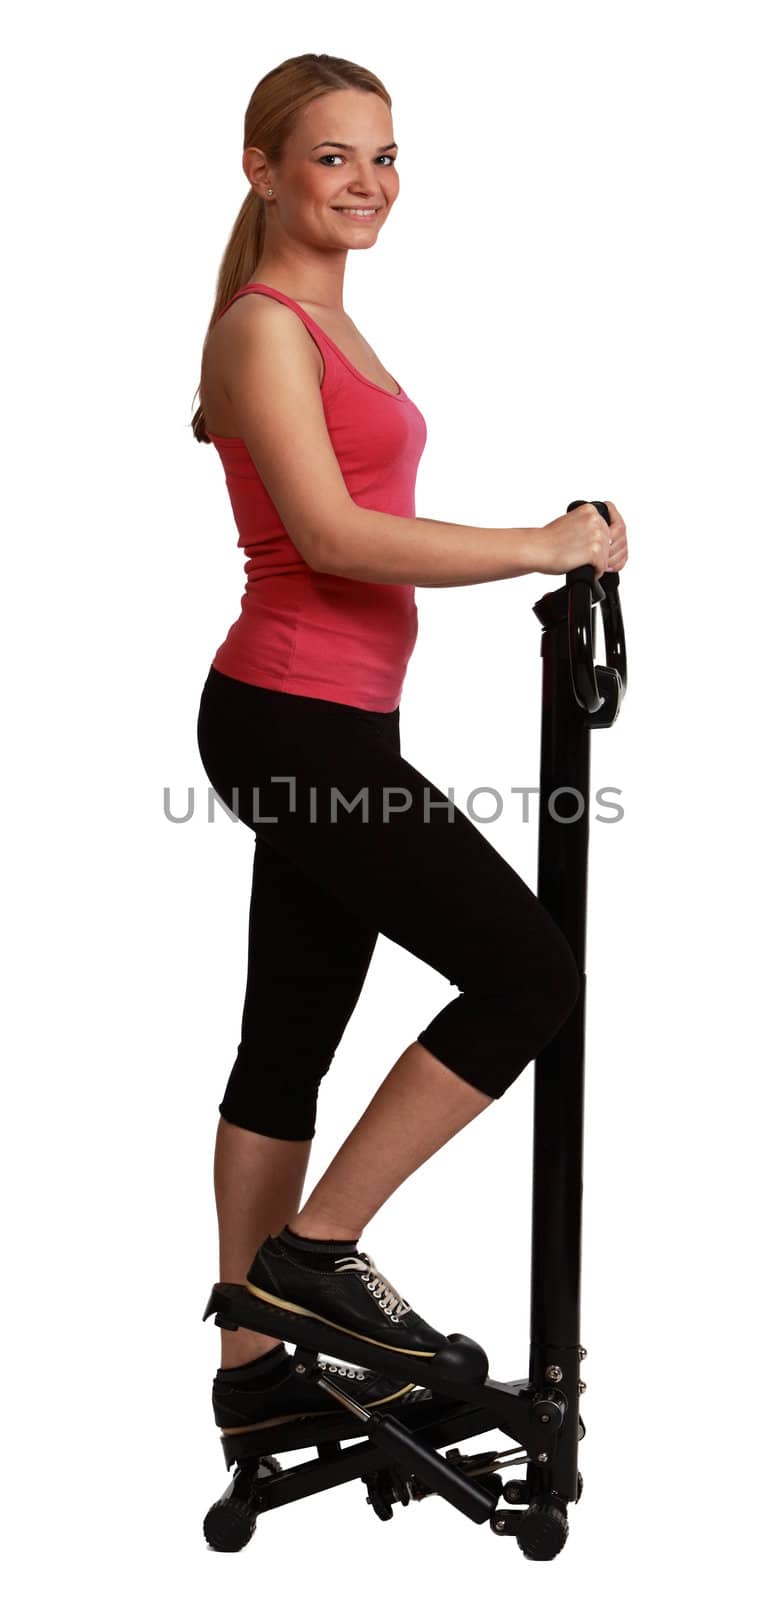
577, 287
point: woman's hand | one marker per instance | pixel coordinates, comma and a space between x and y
618, 544
581, 538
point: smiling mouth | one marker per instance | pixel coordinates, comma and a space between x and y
366, 211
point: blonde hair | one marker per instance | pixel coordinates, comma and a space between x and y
268, 123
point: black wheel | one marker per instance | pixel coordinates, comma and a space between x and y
377, 1497
230, 1522
516, 1492
386, 1488
544, 1529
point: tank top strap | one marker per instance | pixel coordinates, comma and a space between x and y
323, 341
318, 334
276, 294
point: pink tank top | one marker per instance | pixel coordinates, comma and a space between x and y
314, 633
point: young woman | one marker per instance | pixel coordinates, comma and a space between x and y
298, 731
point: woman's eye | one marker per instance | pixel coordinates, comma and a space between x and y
334, 156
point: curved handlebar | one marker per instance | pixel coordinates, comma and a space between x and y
584, 587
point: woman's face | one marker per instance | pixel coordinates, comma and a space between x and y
341, 156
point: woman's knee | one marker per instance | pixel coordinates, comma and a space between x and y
547, 988
272, 1121
565, 977
504, 1017
533, 1009
278, 1107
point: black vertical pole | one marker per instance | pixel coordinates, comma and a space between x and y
559, 1071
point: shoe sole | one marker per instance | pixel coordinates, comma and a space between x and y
303, 1311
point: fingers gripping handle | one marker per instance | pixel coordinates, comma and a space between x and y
584, 588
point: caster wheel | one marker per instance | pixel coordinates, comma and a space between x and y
377, 1498
516, 1492
544, 1530
229, 1525
230, 1522
385, 1489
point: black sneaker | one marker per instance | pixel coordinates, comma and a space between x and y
243, 1407
353, 1297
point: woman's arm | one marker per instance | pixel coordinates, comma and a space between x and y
380, 548
275, 394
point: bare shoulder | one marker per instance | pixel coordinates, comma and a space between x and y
263, 388
255, 329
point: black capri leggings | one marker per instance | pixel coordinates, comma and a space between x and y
352, 841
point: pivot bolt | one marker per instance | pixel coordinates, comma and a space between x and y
300, 1367
542, 1456
582, 1352
581, 1386
554, 1374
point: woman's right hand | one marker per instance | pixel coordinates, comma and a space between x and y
577, 539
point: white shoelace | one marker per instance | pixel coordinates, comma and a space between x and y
388, 1298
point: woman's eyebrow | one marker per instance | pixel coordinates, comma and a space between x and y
339, 146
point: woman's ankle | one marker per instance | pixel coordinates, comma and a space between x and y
245, 1345
312, 1226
